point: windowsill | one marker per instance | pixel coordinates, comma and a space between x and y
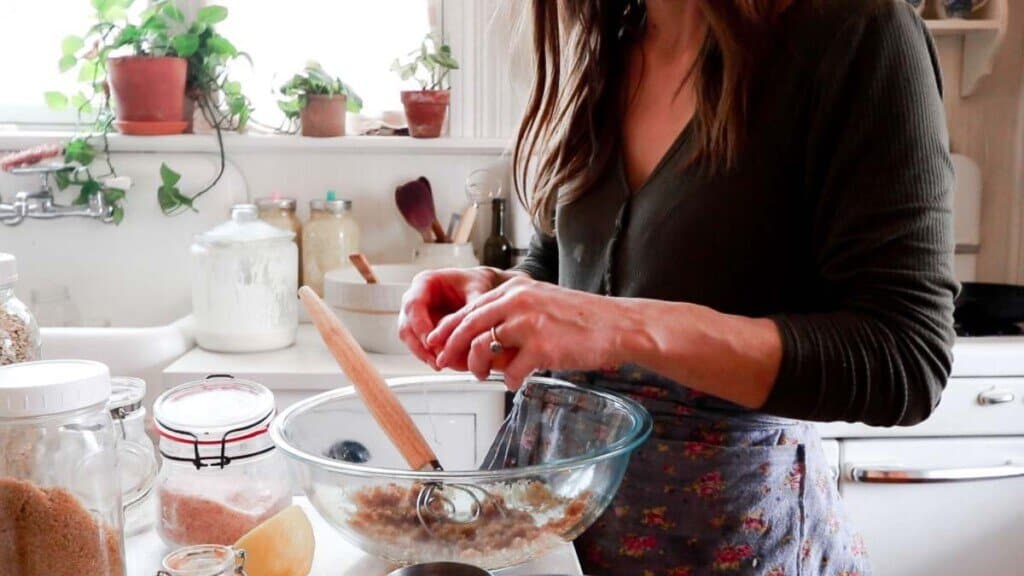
235, 143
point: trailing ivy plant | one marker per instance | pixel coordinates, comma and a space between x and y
160, 30
429, 65
313, 79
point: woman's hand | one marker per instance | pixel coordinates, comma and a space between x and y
547, 327
435, 294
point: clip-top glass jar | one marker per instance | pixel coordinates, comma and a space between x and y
60, 507
328, 239
221, 475
280, 213
136, 455
19, 333
244, 283
204, 560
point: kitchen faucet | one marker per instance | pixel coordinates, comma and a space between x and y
40, 204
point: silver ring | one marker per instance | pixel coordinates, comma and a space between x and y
496, 347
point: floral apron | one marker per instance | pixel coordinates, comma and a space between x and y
719, 490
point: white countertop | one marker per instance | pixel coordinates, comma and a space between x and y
336, 557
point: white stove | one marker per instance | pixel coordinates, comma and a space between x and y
945, 497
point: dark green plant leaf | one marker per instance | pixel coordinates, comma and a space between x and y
186, 44
79, 150
113, 195
70, 45
167, 176
212, 14
62, 179
167, 198
56, 100
171, 11
117, 214
221, 45
67, 63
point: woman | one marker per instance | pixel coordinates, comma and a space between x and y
743, 212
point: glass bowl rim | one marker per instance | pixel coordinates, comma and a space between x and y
637, 435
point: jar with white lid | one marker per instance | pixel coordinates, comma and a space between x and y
19, 332
58, 471
221, 475
244, 284
136, 455
280, 212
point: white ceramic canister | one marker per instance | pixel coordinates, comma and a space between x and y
244, 284
435, 256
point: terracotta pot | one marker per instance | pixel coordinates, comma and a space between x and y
148, 89
189, 108
324, 116
425, 111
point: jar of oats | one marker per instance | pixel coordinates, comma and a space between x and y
19, 333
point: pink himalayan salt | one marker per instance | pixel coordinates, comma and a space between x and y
187, 519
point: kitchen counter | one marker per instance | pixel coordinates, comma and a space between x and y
336, 557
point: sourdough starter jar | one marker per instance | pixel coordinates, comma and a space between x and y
221, 474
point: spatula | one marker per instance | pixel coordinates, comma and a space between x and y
362, 265
416, 203
374, 391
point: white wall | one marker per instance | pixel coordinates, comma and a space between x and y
136, 274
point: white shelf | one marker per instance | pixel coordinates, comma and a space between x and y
954, 27
981, 35
234, 143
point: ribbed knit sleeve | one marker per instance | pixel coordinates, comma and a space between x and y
541, 262
881, 182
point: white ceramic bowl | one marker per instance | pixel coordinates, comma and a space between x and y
370, 311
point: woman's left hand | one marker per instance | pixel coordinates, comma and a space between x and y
543, 326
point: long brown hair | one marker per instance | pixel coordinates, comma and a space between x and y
580, 48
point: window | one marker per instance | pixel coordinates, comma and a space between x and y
30, 37
356, 41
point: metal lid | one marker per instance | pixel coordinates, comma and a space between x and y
126, 395
8, 269
52, 387
278, 202
333, 206
244, 226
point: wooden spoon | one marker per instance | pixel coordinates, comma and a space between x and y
364, 268
374, 391
416, 203
465, 227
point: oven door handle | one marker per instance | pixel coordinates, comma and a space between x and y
897, 475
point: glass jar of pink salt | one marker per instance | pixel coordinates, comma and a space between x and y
221, 474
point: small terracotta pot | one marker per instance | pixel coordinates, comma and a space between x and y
148, 89
324, 116
425, 111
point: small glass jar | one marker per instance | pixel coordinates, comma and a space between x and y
136, 455
19, 333
204, 560
434, 256
221, 475
280, 212
58, 462
244, 281
328, 239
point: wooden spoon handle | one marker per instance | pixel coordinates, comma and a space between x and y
439, 234
381, 400
363, 266
465, 227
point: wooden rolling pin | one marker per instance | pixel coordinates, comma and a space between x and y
374, 391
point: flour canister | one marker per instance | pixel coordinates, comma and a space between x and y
244, 284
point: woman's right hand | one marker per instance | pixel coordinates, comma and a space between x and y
435, 294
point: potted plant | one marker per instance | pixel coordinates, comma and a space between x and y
160, 33
426, 108
318, 102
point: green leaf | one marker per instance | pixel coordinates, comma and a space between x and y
221, 45
90, 72
167, 198
167, 176
67, 62
186, 44
90, 187
62, 179
70, 45
171, 11
232, 88
212, 14
56, 100
117, 214
79, 150
113, 195
81, 104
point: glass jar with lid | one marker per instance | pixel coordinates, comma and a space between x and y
204, 560
280, 212
19, 333
136, 455
244, 284
60, 496
221, 475
328, 239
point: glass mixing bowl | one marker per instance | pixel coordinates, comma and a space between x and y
570, 449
